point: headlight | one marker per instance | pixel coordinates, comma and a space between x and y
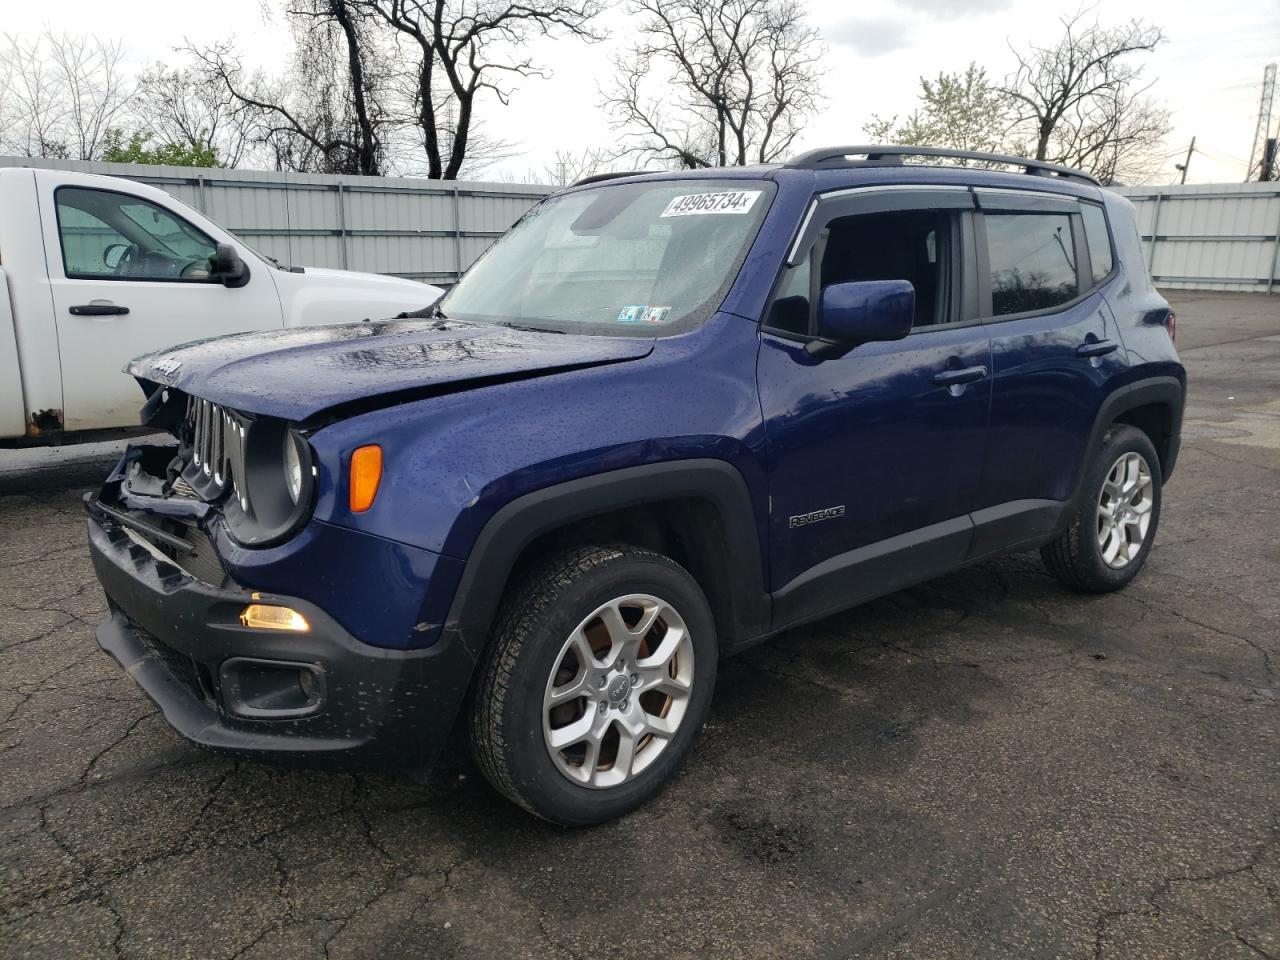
292, 466
277, 485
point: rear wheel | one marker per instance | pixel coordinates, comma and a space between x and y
1115, 523
597, 680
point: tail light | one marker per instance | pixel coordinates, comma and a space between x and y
1171, 324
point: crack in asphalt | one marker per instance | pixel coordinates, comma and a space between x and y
1165, 608
1153, 908
552, 941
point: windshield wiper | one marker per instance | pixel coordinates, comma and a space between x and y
521, 326
432, 312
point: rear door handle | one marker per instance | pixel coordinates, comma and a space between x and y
98, 310
951, 378
1096, 348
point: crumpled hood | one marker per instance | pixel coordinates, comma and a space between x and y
299, 373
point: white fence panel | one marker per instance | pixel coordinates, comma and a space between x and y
1223, 236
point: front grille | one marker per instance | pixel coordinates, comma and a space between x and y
216, 438
204, 564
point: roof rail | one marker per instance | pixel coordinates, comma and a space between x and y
882, 155
597, 177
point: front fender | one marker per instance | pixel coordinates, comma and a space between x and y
510, 531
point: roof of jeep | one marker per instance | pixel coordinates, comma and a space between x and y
834, 176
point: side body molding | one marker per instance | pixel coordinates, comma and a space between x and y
520, 522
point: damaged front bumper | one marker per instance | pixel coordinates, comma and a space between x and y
322, 696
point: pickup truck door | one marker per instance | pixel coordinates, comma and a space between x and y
874, 457
129, 274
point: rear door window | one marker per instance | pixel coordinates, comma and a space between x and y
1033, 261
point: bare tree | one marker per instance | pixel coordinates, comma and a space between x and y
1081, 100
187, 107
720, 82
466, 48
570, 166
62, 94
1119, 139
31, 111
90, 72
327, 114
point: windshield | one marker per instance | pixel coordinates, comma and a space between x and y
625, 259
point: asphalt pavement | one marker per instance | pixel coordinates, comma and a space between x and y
985, 766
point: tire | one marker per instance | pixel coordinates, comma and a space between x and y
1106, 544
551, 671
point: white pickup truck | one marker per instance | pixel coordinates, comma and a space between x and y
96, 270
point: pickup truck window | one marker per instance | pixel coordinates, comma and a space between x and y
116, 236
628, 259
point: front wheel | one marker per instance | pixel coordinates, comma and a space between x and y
598, 677
1115, 523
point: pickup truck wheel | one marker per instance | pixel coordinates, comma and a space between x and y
1115, 523
596, 682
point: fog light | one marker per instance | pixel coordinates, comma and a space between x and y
262, 616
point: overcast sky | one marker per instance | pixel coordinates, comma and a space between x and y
1209, 73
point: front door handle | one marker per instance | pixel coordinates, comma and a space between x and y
1096, 348
98, 310
952, 378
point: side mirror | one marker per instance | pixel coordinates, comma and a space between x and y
862, 312
228, 268
113, 254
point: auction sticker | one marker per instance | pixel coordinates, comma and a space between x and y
724, 201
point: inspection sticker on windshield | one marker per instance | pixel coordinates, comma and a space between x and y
643, 313
726, 201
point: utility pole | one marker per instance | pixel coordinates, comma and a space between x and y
1186, 163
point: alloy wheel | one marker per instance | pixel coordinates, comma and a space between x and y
618, 691
1124, 509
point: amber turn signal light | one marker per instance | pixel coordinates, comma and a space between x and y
366, 474
266, 616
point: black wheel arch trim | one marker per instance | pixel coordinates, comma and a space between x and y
517, 524
1168, 390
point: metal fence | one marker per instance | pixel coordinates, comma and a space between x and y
1223, 236
424, 229
1205, 237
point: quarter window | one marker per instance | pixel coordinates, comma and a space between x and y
1095, 234
790, 310
114, 236
1033, 261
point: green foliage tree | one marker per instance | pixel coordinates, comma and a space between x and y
963, 111
137, 150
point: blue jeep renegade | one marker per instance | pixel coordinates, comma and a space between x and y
666, 416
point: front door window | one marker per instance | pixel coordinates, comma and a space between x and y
115, 236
